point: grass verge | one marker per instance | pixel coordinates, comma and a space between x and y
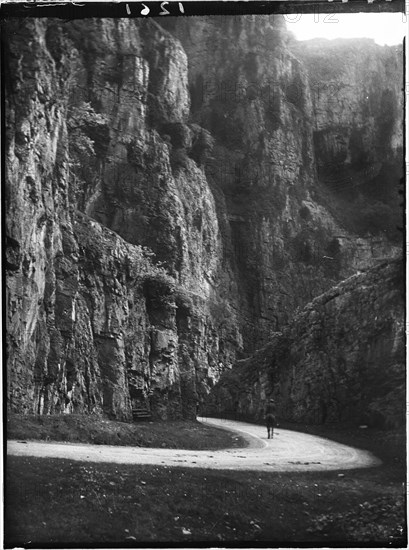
89, 429
51, 502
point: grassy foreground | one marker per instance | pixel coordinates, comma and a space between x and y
91, 429
53, 503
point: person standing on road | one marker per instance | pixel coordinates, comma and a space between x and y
270, 417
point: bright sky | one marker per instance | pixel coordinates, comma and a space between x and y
384, 28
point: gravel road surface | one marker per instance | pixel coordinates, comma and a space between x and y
288, 451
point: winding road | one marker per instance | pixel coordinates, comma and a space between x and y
288, 451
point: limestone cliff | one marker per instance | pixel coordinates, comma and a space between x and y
341, 359
165, 207
356, 89
94, 321
289, 235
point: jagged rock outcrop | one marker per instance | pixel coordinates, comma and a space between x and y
163, 212
341, 359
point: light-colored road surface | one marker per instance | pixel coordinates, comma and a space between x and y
288, 451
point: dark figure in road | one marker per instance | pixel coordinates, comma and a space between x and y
270, 417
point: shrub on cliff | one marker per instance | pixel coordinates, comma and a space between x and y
87, 131
179, 133
185, 303
179, 159
88, 140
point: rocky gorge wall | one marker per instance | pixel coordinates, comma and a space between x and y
356, 93
93, 320
162, 212
342, 359
277, 110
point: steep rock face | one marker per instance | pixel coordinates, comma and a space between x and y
336, 376
138, 80
341, 359
357, 93
93, 324
285, 238
162, 208
36, 203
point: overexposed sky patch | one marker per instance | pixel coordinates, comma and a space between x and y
384, 28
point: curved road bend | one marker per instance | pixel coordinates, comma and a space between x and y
288, 451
